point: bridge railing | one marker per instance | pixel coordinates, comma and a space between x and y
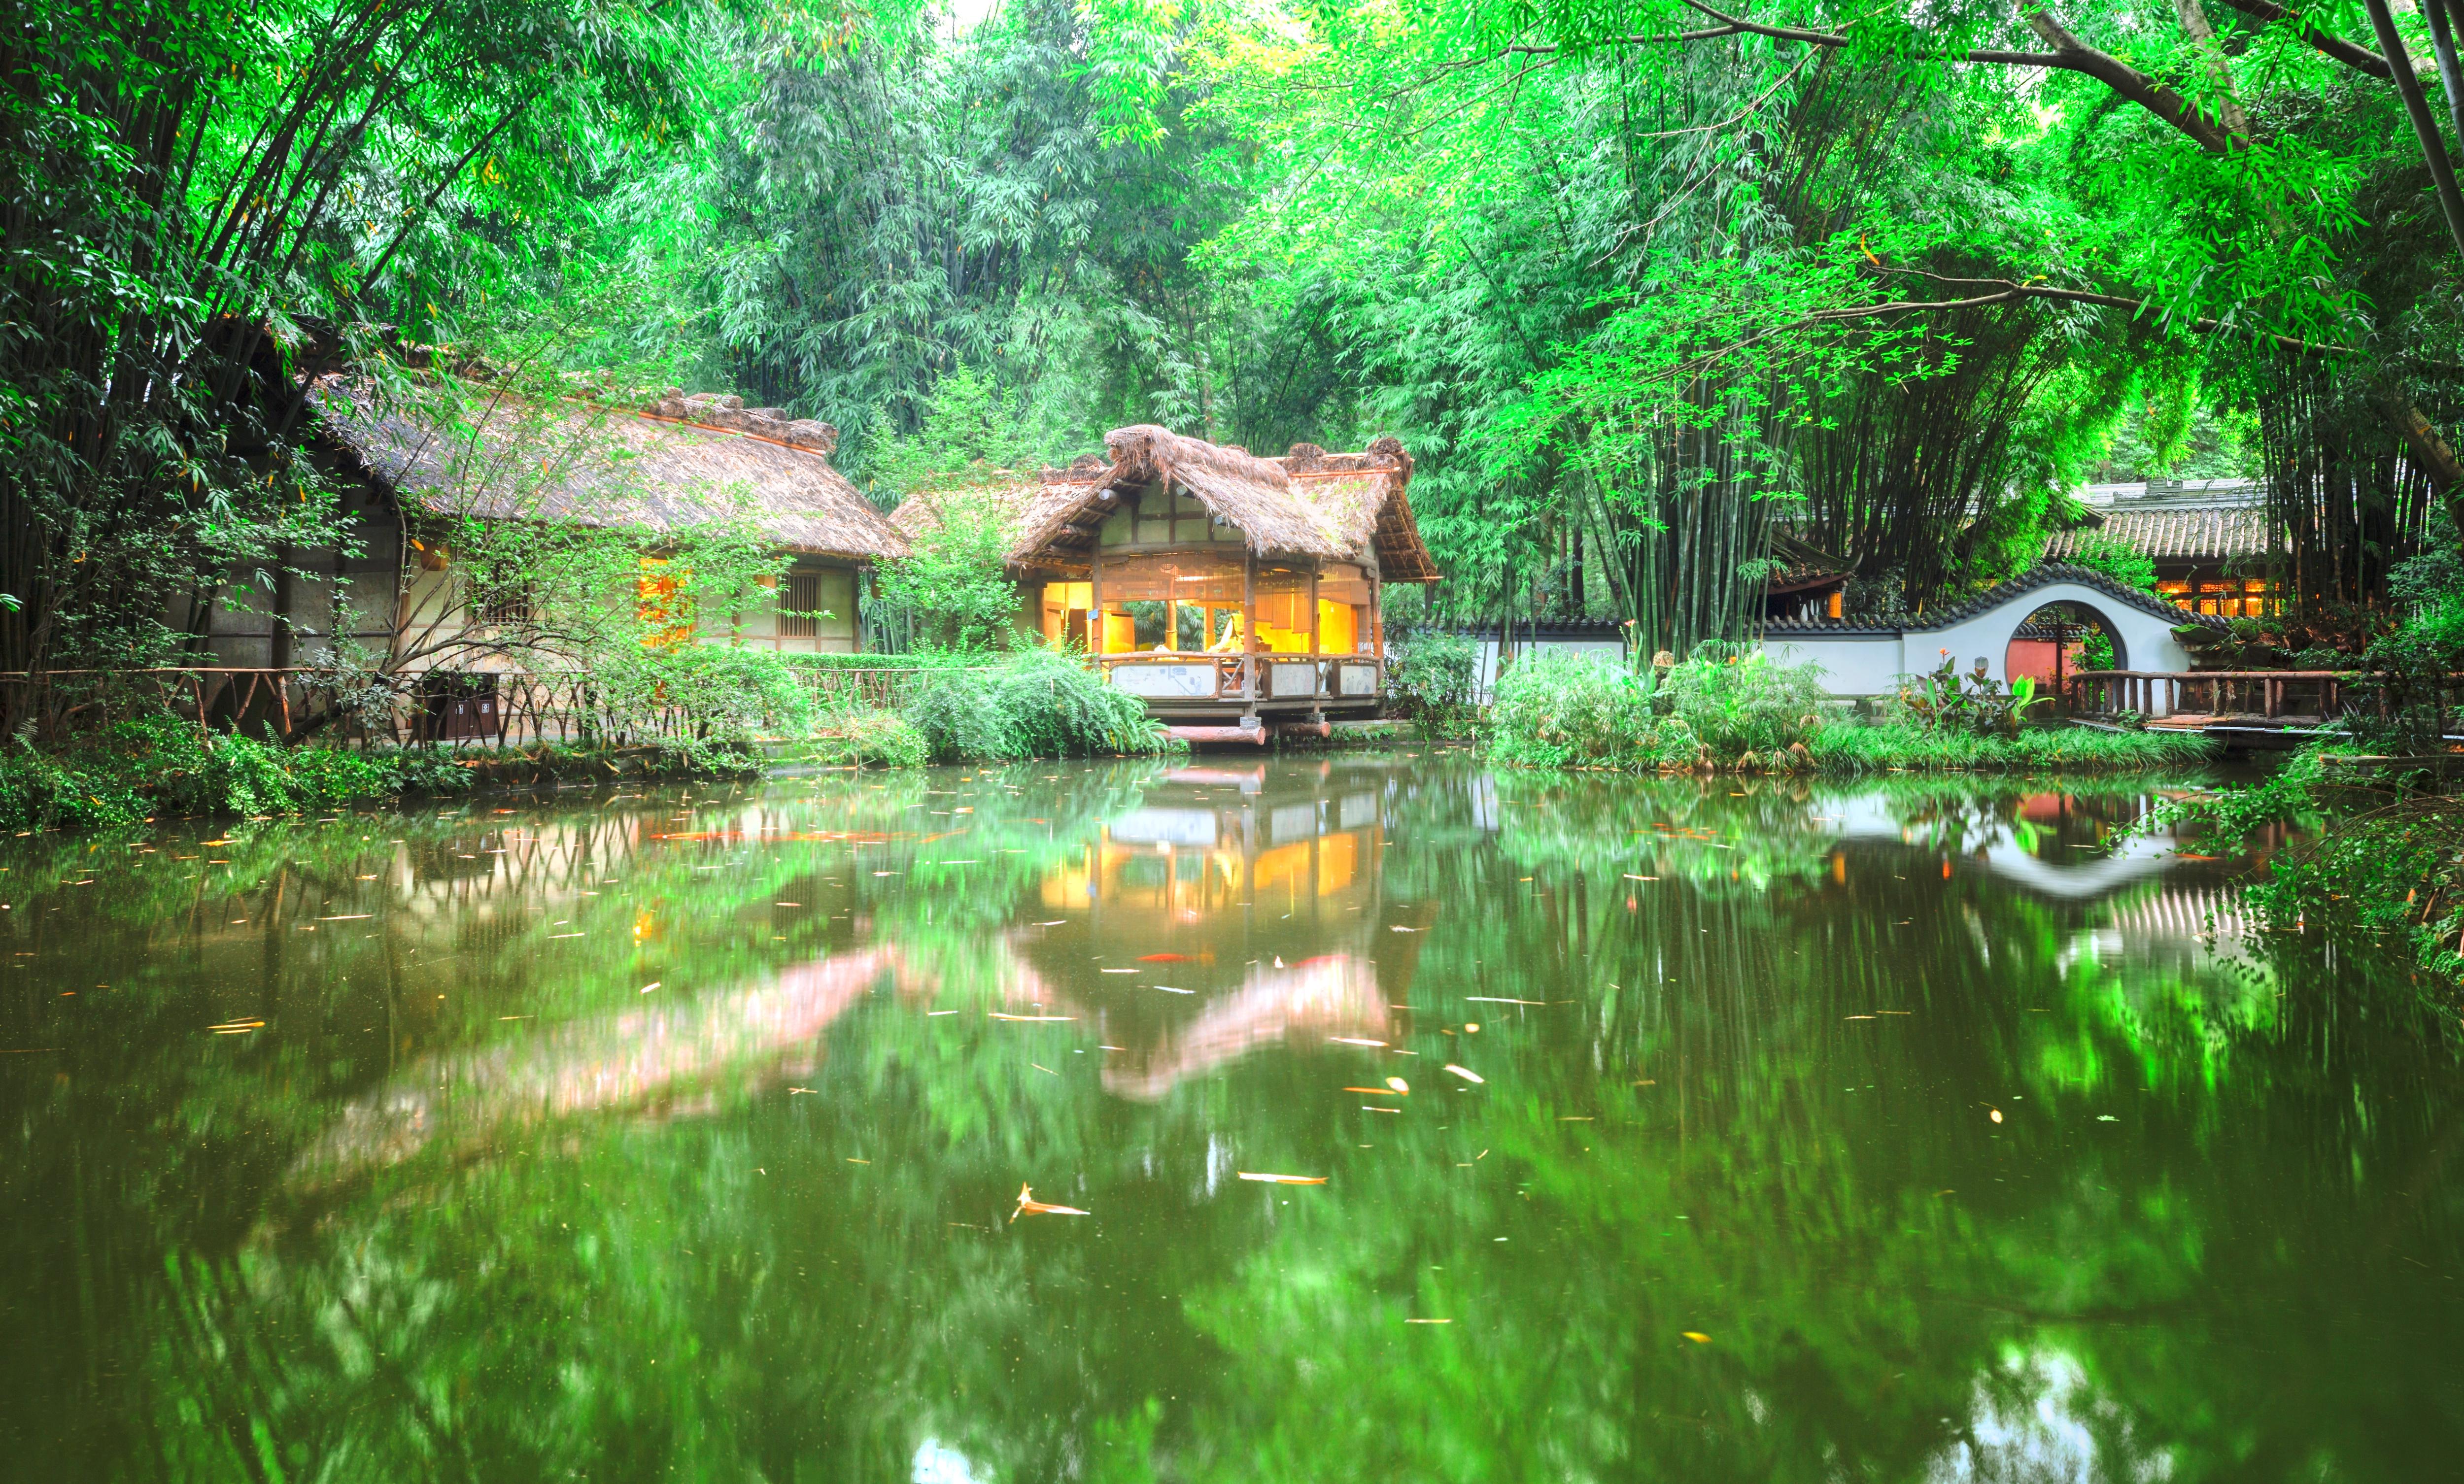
2270, 693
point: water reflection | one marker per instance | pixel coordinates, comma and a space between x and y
1911, 1130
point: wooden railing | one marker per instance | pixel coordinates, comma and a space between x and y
458, 707
2267, 693
1246, 677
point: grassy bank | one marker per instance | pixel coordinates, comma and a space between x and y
140, 770
1749, 715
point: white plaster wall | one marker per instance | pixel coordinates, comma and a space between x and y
1485, 683
1852, 665
1867, 666
2147, 642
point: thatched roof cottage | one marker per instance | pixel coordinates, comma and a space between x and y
1225, 589
684, 462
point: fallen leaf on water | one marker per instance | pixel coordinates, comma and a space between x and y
1355, 1041
999, 1015
1282, 1179
1470, 1076
1374, 1092
2106, 1118
1996, 1113
1030, 1206
1400, 1085
1697, 1336
1428, 1321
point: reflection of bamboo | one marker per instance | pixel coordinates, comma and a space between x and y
1321, 998
634, 1059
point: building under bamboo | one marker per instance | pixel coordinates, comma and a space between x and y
1224, 589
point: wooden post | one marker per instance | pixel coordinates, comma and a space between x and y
1095, 605
1249, 623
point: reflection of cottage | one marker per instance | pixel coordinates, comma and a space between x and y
1222, 588
2208, 539
1256, 903
687, 461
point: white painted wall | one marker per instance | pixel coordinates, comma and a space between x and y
1871, 664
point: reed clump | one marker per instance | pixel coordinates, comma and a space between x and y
1727, 712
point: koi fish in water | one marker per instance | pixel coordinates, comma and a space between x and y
1030, 1206
1165, 958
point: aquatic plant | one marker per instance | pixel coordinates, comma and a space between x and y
1716, 708
1434, 680
163, 765
882, 739
1034, 703
1876, 746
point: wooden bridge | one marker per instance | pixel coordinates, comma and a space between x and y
2261, 708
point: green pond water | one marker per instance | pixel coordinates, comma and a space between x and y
1685, 1130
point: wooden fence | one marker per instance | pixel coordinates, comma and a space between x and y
454, 709
2268, 693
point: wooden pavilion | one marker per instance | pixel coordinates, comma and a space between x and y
1230, 592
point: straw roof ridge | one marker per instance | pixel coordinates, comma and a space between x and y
616, 466
1308, 503
1145, 451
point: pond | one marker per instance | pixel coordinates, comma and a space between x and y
1372, 1117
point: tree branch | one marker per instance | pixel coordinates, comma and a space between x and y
2328, 42
2069, 55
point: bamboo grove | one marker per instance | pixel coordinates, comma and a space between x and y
1646, 286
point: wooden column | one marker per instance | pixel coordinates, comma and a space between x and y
1095, 601
1249, 623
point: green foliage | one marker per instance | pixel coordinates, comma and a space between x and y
912, 659
954, 581
1035, 703
160, 766
2406, 697
1891, 745
1569, 709
1432, 678
1948, 699
2115, 558
2365, 858
879, 739
1561, 709
1736, 700
969, 434
1554, 710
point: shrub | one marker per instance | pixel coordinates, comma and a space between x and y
1036, 703
1556, 709
1737, 701
1906, 745
882, 739
160, 764
729, 697
1432, 679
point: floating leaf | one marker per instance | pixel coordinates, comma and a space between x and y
1030, 1206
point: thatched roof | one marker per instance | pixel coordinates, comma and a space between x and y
567, 460
1339, 507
